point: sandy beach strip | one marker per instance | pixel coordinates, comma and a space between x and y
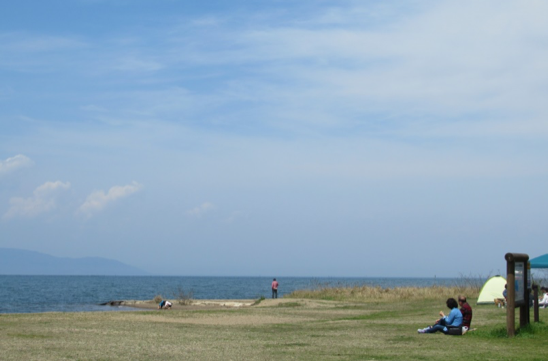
195, 304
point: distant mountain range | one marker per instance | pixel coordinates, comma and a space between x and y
22, 262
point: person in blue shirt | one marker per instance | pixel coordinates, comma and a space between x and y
164, 305
453, 319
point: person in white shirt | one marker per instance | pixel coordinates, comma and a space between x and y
165, 304
543, 302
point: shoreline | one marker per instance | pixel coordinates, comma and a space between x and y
195, 304
144, 305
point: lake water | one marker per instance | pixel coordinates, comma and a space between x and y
31, 294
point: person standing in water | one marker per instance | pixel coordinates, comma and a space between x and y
274, 288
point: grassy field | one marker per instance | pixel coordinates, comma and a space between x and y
316, 326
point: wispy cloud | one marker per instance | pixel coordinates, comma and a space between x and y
27, 51
93, 108
11, 164
350, 67
98, 200
201, 209
33, 43
136, 64
44, 200
232, 217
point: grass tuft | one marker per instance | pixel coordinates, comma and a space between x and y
258, 300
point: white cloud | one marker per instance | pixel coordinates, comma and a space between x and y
11, 164
201, 209
98, 200
44, 199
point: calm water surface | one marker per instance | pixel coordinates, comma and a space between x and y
31, 294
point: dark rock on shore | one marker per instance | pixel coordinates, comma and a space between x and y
112, 303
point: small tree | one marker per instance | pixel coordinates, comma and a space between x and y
183, 297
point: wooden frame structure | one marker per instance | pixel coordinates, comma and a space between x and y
518, 288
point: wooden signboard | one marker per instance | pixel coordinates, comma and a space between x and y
518, 291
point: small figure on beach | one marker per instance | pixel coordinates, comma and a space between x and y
165, 304
275, 288
445, 323
466, 311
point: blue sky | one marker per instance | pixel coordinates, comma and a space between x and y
311, 138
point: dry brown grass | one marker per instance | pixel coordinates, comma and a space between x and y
282, 329
373, 294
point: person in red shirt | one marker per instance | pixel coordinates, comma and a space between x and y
274, 289
466, 311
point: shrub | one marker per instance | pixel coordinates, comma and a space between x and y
183, 297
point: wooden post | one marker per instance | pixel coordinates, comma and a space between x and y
510, 289
524, 312
523, 302
535, 304
524, 309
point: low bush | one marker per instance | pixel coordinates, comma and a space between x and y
183, 297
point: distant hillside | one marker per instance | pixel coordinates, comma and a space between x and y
21, 262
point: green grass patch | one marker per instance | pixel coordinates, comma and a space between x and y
532, 330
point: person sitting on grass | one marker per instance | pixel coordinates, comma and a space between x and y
164, 305
452, 320
466, 311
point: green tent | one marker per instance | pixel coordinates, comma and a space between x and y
491, 289
540, 261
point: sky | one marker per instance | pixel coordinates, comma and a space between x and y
276, 138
